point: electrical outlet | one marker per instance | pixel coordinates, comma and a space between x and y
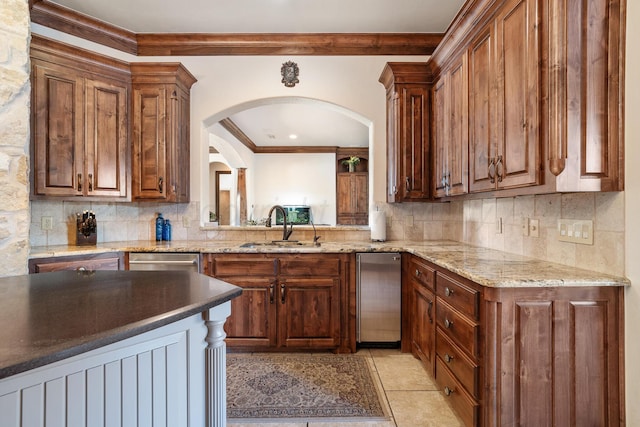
534, 228
47, 223
525, 226
499, 226
575, 231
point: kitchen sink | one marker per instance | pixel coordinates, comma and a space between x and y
278, 244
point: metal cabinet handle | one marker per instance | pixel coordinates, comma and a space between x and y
407, 183
448, 323
272, 290
282, 293
160, 184
448, 358
81, 269
90, 182
417, 273
429, 310
79, 182
448, 391
448, 292
499, 168
492, 174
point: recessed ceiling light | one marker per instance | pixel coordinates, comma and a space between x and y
293, 136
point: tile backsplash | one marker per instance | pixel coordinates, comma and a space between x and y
469, 221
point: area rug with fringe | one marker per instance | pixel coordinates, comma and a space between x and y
270, 386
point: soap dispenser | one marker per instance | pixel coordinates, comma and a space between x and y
159, 227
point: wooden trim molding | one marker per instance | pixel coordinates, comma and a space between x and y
287, 44
60, 18
237, 133
52, 15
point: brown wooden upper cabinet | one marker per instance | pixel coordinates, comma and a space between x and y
80, 138
504, 100
536, 94
352, 188
160, 159
450, 128
408, 86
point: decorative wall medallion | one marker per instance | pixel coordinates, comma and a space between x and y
290, 73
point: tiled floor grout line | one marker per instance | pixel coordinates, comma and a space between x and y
384, 390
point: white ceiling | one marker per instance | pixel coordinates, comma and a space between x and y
272, 16
314, 124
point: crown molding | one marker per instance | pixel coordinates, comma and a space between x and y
52, 15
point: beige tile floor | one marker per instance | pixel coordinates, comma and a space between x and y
410, 395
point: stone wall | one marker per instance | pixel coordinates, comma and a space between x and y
15, 93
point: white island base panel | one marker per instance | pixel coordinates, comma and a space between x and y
172, 376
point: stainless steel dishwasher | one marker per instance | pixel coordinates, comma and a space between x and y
378, 298
164, 261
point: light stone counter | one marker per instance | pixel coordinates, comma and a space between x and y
487, 267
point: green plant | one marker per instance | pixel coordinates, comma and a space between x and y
353, 160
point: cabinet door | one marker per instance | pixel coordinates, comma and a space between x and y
309, 312
518, 102
58, 127
107, 139
423, 325
458, 141
414, 143
450, 131
252, 322
178, 149
352, 198
440, 136
149, 159
393, 146
481, 114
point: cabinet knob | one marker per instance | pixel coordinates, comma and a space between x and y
448, 391
417, 272
448, 358
448, 323
448, 292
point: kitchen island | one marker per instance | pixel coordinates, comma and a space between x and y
113, 348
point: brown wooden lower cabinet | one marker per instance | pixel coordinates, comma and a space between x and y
103, 261
289, 301
544, 356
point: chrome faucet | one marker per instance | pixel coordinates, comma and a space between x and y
285, 233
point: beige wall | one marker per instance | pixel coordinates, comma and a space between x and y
14, 136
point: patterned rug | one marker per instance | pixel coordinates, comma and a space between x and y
273, 386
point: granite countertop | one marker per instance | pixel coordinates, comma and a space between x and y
487, 267
48, 317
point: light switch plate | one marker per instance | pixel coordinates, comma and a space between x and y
47, 223
575, 231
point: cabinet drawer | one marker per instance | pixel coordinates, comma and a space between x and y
243, 266
462, 330
421, 273
465, 406
460, 296
463, 368
307, 266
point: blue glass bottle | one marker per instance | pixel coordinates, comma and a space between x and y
166, 231
159, 227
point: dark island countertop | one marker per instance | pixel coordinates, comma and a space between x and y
52, 316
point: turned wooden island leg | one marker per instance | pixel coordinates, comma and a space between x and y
216, 365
